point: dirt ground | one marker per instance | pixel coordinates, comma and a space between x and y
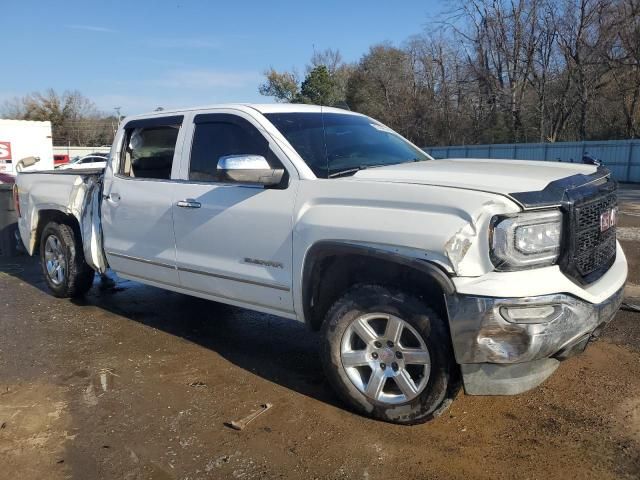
137, 383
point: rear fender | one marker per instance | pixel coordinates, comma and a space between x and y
83, 210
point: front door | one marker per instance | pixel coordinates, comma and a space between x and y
137, 204
233, 241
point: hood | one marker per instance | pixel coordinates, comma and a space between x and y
503, 177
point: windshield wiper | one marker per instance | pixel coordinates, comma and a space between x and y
352, 171
341, 173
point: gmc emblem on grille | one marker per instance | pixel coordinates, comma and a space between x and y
608, 219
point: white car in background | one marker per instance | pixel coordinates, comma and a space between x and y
92, 161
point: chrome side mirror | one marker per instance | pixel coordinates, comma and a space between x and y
253, 169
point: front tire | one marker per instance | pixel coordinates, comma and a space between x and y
62, 260
389, 356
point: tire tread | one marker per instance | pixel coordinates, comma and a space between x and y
356, 298
79, 276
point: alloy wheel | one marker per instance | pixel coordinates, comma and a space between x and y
385, 358
55, 260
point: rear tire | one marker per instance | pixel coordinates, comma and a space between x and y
389, 356
62, 260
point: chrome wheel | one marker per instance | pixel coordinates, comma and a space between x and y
54, 259
385, 358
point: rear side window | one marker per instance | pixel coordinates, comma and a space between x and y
214, 139
148, 151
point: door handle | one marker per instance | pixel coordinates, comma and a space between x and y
114, 197
188, 203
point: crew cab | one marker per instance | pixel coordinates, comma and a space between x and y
424, 276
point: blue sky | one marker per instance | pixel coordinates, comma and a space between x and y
140, 54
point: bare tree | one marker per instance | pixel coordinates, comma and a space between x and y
544, 66
624, 61
330, 58
74, 118
584, 34
502, 71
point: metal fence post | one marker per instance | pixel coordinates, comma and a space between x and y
629, 158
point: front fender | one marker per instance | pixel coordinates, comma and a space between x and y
446, 227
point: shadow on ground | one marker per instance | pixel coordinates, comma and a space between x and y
256, 342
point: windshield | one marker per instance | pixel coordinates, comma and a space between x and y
333, 144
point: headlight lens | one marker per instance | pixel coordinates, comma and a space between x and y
527, 240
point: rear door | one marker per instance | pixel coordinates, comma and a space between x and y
234, 241
137, 205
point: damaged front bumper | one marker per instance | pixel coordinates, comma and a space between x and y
506, 346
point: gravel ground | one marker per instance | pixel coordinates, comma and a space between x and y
137, 383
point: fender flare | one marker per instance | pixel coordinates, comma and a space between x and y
322, 249
39, 217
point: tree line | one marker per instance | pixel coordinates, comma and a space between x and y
492, 71
75, 119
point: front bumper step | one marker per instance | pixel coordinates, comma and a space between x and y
506, 379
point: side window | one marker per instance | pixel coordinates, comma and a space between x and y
148, 151
215, 139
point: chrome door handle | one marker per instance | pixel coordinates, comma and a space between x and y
114, 197
188, 203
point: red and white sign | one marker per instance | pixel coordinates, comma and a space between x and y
608, 219
5, 152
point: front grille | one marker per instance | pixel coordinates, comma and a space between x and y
593, 251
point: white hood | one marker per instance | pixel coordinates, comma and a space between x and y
488, 175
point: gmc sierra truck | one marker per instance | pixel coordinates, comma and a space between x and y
423, 275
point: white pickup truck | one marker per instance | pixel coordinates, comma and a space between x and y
423, 275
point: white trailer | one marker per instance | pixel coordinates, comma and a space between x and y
21, 139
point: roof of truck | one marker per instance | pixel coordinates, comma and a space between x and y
260, 107
293, 107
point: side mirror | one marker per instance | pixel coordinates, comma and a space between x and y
252, 169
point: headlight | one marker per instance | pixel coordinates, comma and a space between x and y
529, 239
